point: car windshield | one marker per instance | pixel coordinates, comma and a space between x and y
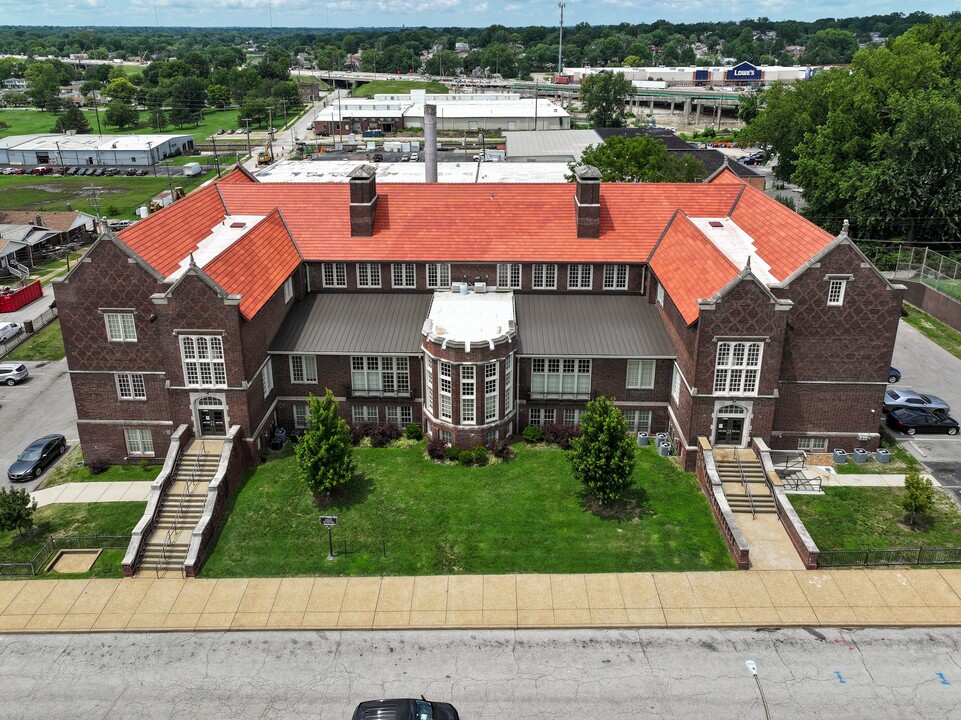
893, 395
423, 710
31, 453
924, 398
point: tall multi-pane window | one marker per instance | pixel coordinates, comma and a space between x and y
368, 275
468, 398
445, 391
579, 277
640, 374
399, 415
638, 420
288, 289
130, 386
364, 413
203, 360
542, 417
676, 385
438, 275
139, 441
615, 277
509, 384
509, 275
379, 375
403, 275
303, 368
335, 275
560, 376
301, 411
572, 417
836, 292
267, 375
660, 294
490, 392
429, 383
544, 277
120, 327
738, 368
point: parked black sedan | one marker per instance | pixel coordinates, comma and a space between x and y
405, 709
912, 421
36, 457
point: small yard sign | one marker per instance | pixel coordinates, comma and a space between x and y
329, 522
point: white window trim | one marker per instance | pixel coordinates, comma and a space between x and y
544, 271
445, 378
441, 273
617, 283
308, 364
372, 269
676, 385
468, 394
660, 294
288, 290
637, 383
813, 444
338, 272
842, 285
725, 371
301, 412
634, 423
578, 270
511, 274
267, 375
137, 441
118, 377
126, 327
491, 376
197, 362
408, 273
544, 392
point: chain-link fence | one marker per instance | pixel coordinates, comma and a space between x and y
931, 268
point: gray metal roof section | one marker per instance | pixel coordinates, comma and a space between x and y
616, 326
566, 144
341, 323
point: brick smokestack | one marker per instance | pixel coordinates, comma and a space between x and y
587, 201
430, 142
363, 200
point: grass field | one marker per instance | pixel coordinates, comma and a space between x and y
44, 345
901, 460
67, 471
404, 515
935, 330
854, 518
398, 86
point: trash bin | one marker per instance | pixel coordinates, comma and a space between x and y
860, 455
840, 456
882, 455
664, 449
643, 439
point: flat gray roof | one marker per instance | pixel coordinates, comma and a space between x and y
566, 143
341, 323
616, 326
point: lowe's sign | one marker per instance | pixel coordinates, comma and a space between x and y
743, 73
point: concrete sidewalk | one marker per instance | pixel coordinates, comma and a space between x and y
660, 600
92, 492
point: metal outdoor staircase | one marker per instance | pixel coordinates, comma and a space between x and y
19, 271
744, 482
179, 511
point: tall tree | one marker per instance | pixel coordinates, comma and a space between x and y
72, 119
604, 96
121, 114
324, 452
603, 457
830, 46
640, 159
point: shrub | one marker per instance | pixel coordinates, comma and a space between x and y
436, 449
479, 454
532, 434
465, 457
358, 431
383, 435
413, 432
452, 453
96, 468
501, 450
143, 464
560, 435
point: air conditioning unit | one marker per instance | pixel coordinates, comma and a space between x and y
480, 287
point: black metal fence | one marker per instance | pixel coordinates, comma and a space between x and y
43, 319
56, 544
890, 556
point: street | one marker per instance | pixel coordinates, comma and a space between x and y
38, 406
803, 673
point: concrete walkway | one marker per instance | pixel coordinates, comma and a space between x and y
830, 478
771, 548
93, 492
710, 599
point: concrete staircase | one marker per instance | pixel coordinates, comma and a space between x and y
180, 510
734, 468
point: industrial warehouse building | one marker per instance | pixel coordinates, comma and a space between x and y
67, 149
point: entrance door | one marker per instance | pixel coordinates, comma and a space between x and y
729, 431
212, 422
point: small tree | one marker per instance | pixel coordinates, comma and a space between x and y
602, 458
324, 453
16, 510
918, 497
72, 119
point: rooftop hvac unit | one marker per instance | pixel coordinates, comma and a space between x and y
480, 287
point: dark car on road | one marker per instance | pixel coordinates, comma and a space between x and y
36, 457
914, 421
405, 709
894, 399
894, 375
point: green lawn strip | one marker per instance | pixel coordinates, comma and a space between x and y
395, 87
524, 516
902, 461
855, 518
46, 344
73, 519
67, 471
935, 330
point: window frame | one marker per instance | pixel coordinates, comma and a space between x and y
660, 293
288, 290
491, 388
836, 299
576, 279
305, 365
334, 274
126, 333
365, 275
439, 271
676, 385
301, 413
380, 375
446, 401
615, 282
267, 376
814, 444
193, 364
737, 377
509, 276
544, 269
561, 377
144, 437
634, 416
131, 380
638, 383
407, 273
468, 397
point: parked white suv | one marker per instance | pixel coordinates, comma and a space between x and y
9, 329
12, 373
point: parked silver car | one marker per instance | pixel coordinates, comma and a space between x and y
915, 400
12, 373
9, 329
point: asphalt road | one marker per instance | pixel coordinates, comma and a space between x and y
487, 675
40, 405
928, 368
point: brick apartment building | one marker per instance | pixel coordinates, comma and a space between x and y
475, 310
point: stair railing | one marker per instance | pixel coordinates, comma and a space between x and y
18, 270
190, 483
745, 484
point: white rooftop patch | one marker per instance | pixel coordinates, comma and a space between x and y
470, 317
467, 171
221, 237
736, 245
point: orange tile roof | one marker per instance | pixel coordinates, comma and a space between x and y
726, 175
168, 236
257, 264
690, 266
783, 239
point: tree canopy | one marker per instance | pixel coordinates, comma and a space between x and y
604, 95
324, 451
603, 457
640, 159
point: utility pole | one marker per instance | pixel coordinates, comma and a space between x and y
216, 159
560, 40
247, 121
270, 132
96, 111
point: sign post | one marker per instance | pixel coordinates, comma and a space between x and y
329, 522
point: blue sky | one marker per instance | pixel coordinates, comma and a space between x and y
434, 13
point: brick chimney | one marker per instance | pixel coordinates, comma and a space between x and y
363, 200
587, 201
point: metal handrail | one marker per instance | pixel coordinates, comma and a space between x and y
747, 487
189, 484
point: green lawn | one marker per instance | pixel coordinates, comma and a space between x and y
67, 471
901, 460
935, 330
390, 87
852, 518
404, 515
47, 344
70, 519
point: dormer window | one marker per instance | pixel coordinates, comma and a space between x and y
836, 293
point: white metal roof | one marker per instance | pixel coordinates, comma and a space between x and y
51, 141
470, 317
338, 171
221, 237
736, 245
